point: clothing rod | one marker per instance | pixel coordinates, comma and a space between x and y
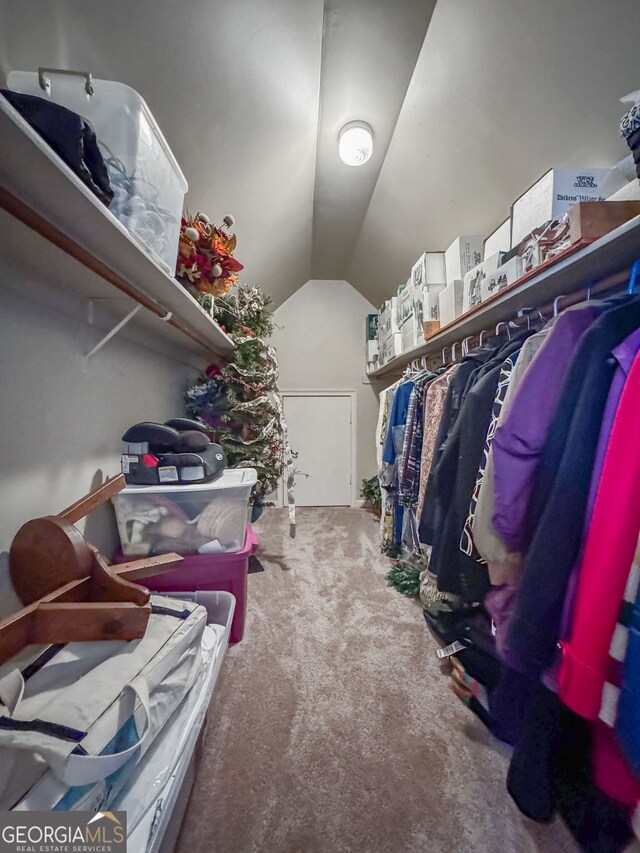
32, 219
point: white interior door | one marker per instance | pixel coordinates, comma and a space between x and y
320, 432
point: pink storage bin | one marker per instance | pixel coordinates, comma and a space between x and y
227, 572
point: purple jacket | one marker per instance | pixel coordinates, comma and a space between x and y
520, 439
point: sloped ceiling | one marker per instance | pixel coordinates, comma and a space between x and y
469, 103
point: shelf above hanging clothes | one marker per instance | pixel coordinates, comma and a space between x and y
580, 269
56, 232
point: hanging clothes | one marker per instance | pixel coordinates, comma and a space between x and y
453, 479
386, 496
433, 407
561, 488
392, 452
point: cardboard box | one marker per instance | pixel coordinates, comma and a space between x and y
372, 350
409, 334
392, 347
388, 322
592, 220
450, 301
430, 328
371, 327
500, 240
472, 291
463, 255
556, 192
429, 269
405, 302
502, 277
426, 308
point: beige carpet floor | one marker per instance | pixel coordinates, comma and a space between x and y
332, 729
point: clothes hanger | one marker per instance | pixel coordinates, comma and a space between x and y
465, 345
506, 325
556, 303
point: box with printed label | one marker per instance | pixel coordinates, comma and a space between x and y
392, 347
500, 240
472, 295
371, 327
429, 269
388, 323
463, 255
405, 302
502, 277
556, 192
426, 308
450, 300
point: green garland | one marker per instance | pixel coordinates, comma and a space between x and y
405, 577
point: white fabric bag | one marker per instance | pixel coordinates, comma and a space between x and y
76, 719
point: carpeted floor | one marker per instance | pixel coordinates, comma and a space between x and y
332, 729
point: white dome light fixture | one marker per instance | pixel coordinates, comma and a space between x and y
355, 143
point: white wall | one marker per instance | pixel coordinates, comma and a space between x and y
321, 348
61, 422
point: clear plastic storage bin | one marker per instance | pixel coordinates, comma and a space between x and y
206, 518
148, 184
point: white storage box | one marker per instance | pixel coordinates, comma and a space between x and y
156, 792
372, 351
427, 310
500, 240
388, 323
405, 302
629, 192
392, 347
450, 300
203, 518
502, 277
148, 183
429, 269
472, 290
463, 255
557, 191
409, 334
115, 695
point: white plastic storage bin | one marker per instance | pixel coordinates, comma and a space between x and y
156, 794
148, 184
205, 518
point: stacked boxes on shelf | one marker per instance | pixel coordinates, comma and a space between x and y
463, 255
389, 332
429, 280
443, 286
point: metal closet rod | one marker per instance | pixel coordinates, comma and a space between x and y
562, 302
32, 219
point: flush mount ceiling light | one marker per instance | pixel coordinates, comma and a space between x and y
355, 143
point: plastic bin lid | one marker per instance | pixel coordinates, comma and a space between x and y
232, 478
